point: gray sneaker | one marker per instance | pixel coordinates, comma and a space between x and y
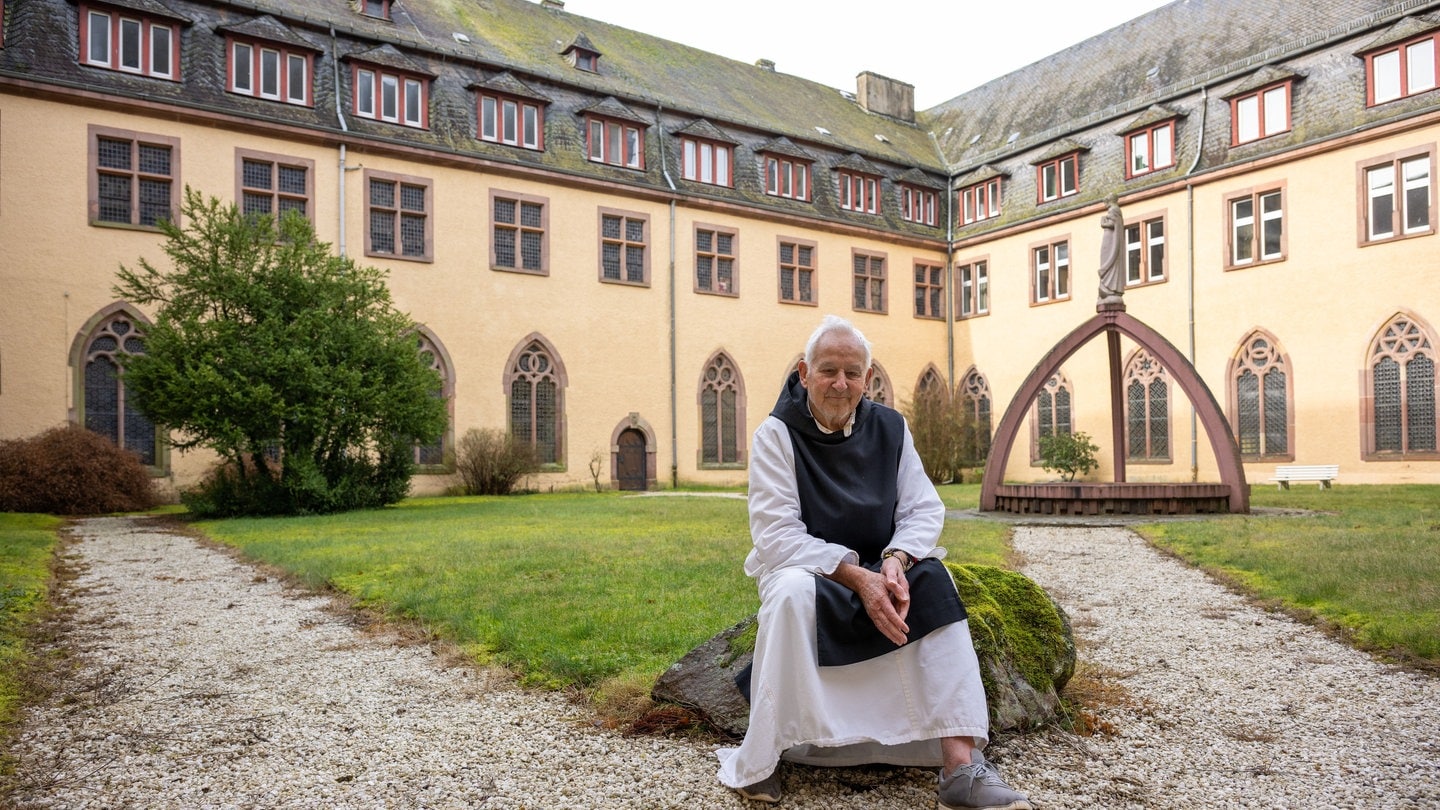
978, 786
767, 790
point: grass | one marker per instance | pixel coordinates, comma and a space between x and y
570, 589
1366, 563
27, 543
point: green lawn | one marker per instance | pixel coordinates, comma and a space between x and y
568, 589
1366, 562
27, 543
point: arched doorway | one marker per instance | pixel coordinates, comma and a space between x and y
630, 460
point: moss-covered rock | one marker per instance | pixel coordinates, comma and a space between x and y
1021, 636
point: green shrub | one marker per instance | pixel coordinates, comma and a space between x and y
72, 471
1068, 454
304, 485
491, 461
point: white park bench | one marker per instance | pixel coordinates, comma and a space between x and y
1322, 473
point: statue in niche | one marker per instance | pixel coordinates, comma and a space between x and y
1112, 255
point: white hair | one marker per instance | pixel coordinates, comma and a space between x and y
832, 324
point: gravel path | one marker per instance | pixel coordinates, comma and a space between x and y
202, 683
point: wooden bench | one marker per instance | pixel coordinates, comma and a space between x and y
1321, 473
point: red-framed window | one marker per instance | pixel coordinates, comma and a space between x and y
917, 204
1145, 251
706, 161
1150, 149
270, 71
787, 177
510, 120
1256, 227
1399, 196
379, 9
129, 42
1402, 70
389, 95
980, 201
616, 142
973, 278
859, 192
1260, 114
1058, 178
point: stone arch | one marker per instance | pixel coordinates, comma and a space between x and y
1117, 322
930, 378
116, 329
1399, 390
431, 458
880, 389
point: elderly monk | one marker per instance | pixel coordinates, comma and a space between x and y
863, 653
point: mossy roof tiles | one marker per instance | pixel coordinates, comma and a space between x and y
270, 29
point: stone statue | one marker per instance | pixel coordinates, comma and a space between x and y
1112, 255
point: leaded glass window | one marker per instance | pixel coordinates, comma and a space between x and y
721, 411
535, 406
1147, 409
1261, 404
106, 409
975, 395
433, 454
1402, 390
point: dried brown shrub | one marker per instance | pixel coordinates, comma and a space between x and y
72, 471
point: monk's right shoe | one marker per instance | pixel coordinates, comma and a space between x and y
978, 786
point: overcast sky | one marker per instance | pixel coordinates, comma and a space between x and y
942, 48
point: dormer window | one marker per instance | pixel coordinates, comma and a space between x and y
1402, 69
389, 87
980, 195
706, 161
271, 72
1260, 114
1150, 149
619, 143
129, 41
786, 176
380, 9
513, 121
583, 54
859, 192
917, 204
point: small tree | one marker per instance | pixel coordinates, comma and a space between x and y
1068, 454
597, 466
491, 461
288, 361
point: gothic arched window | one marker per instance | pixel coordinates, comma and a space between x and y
722, 412
435, 356
1147, 409
1260, 399
1053, 409
974, 392
1400, 382
105, 408
536, 382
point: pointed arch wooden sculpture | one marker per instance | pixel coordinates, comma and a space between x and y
1113, 321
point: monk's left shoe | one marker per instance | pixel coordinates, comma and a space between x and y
978, 786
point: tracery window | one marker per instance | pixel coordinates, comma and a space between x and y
1052, 412
930, 382
105, 406
975, 402
879, 388
1147, 409
433, 454
1400, 383
1260, 399
722, 412
536, 383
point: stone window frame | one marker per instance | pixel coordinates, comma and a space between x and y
869, 286
1260, 355
520, 227
802, 272
929, 277
1140, 259
135, 174
624, 244
1143, 370
716, 258
1256, 196
276, 195
437, 458
1400, 203
972, 280
532, 346
1057, 388
1403, 339
400, 213
83, 352
1058, 277
713, 378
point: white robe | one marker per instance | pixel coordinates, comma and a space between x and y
892, 709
